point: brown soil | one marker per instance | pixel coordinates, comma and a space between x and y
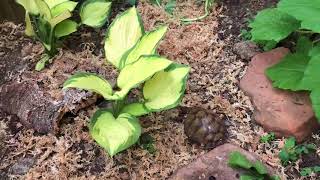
213, 84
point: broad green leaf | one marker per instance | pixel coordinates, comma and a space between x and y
249, 177
65, 6
91, 82
41, 64
122, 35
135, 109
65, 28
307, 11
53, 3
238, 160
95, 13
112, 134
29, 5
166, 88
315, 50
44, 9
146, 46
260, 167
134, 74
29, 29
304, 45
58, 19
315, 99
311, 76
273, 25
289, 72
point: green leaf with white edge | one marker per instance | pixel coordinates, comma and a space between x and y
114, 135
135, 109
123, 33
58, 19
289, 73
238, 160
273, 25
134, 74
307, 11
44, 9
29, 5
311, 76
60, 8
53, 3
29, 29
166, 88
315, 99
65, 28
95, 13
260, 167
145, 46
91, 82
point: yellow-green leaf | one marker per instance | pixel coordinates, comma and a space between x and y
91, 82
95, 13
122, 35
134, 74
166, 88
145, 46
114, 135
29, 29
60, 8
135, 109
29, 5
65, 28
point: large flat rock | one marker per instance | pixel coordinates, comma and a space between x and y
284, 112
214, 165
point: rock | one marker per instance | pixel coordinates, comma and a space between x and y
22, 166
214, 165
284, 112
246, 50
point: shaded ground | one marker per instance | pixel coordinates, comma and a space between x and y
213, 84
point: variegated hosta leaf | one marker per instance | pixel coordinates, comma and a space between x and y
62, 7
44, 9
135, 109
145, 46
58, 19
95, 13
91, 82
53, 3
65, 28
29, 29
122, 35
29, 5
134, 74
112, 134
166, 88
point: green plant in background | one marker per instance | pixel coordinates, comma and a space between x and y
292, 152
298, 71
49, 20
253, 170
268, 138
309, 170
133, 51
168, 7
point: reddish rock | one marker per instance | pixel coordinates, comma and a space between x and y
284, 112
214, 165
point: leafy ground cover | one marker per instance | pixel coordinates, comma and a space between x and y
207, 47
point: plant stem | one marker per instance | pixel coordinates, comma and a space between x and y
201, 17
117, 107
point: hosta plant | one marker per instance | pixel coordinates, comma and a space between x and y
49, 20
299, 20
162, 82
